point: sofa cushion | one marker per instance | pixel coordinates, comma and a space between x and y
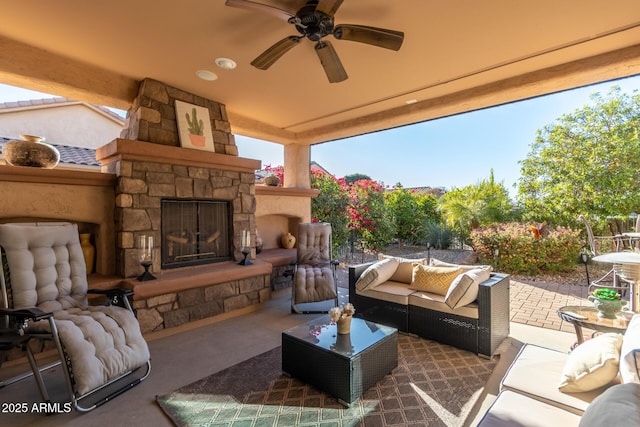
437, 263
436, 302
464, 288
592, 364
405, 268
433, 279
389, 291
617, 406
630, 353
377, 273
535, 372
513, 409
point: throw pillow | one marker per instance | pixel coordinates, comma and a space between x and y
405, 267
630, 353
464, 288
616, 406
433, 279
592, 364
438, 263
376, 273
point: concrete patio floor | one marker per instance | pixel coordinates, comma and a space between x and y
182, 356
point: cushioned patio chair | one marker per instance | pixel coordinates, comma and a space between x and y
314, 275
44, 294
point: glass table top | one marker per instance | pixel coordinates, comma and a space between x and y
324, 334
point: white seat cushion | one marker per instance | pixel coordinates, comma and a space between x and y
102, 343
512, 409
389, 291
536, 373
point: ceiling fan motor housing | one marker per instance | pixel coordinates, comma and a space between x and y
312, 24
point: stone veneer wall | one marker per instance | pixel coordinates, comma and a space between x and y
177, 308
152, 117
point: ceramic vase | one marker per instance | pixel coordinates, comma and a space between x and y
31, 151
344, 325
88, 250
288, 241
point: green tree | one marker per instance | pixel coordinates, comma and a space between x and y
467, 208
585, 162
350, 179
409, 211
331, 205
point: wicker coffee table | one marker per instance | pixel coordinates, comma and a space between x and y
344, 366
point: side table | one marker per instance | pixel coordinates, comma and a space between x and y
587, 317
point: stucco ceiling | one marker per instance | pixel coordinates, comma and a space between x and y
457, 55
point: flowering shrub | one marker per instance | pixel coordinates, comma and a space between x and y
524, 252
367, 214
331, 205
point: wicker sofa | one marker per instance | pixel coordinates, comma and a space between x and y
478, 327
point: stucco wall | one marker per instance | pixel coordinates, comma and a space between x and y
76, 125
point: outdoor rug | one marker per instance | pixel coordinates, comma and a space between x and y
434, 384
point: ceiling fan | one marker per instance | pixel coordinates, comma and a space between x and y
314, 20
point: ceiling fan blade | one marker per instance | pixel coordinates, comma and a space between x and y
271, 55
330, 7
255, 6
381, 37
330, 62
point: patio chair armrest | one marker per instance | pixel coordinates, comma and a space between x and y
23, 314
115, 296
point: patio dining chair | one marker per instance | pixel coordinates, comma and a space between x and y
44, 297
615, 243
314, 274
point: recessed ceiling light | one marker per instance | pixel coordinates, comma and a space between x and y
225, 63
411, 101
206, 75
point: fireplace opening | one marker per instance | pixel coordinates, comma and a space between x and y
195, 232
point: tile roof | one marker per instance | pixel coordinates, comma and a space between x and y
69, 155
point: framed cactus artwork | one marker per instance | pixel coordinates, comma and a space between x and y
194, 127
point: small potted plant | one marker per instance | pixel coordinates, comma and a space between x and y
607, 302
342, 317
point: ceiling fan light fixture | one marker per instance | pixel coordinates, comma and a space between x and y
226, 63
206, 75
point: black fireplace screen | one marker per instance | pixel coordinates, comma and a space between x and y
195, 232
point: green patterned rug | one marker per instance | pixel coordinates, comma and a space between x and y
434, 385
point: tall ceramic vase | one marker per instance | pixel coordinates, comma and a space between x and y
88, 250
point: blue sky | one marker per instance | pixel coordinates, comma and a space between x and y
449, 152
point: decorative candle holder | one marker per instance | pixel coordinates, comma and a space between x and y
145, 245
245, 252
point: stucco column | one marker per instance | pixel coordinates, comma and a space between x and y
296, 166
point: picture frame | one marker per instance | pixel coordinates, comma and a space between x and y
194, 127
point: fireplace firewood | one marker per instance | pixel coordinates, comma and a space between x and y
213, 237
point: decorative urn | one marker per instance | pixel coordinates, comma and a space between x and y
288, 241
31, 151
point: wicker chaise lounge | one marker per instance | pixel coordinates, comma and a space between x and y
479, 326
